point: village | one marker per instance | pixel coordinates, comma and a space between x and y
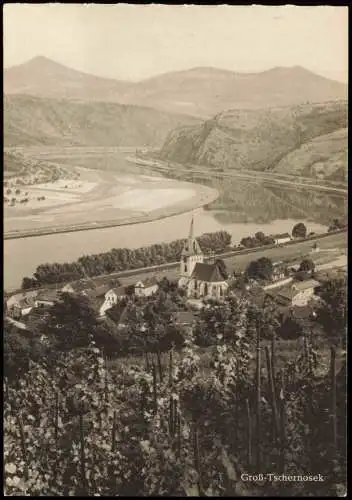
292, 286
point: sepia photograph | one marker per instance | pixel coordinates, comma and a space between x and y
175, 213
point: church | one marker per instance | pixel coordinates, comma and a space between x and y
200, 279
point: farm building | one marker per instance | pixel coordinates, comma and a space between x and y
281, 238
299, 294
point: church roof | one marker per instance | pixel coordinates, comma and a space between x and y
207, 272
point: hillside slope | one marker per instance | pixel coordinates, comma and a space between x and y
201, 92
254, 139
325, 156
35, 121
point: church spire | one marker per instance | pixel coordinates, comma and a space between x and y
192, 246
191, 233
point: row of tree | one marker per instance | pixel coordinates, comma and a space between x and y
122, 259
258, 240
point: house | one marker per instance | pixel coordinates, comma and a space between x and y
281, 238
299, 294
22, 307
77, 287
47, 298
146, 288
102, 298
198, 278
279, 272
16, 298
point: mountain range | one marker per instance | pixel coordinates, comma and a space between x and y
201, 92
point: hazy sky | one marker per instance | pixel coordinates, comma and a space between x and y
137, 41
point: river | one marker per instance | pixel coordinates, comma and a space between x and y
22, 256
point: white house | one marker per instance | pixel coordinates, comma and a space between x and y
299, 294
198, 278
281, 238
146, 288
22, 307
102, 298
16, 298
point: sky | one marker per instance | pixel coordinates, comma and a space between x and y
134, 42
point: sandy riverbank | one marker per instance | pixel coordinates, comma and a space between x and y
102, 199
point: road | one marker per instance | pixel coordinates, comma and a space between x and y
251, 176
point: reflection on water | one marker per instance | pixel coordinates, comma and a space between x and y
21, 257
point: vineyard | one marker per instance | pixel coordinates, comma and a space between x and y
73, 426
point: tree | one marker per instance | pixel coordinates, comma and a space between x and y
260, 236
332, 312
72, 322
307, 265
29, 283
260, 269
299, 230
302, 275
18, 191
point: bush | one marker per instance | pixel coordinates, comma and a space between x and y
299, 230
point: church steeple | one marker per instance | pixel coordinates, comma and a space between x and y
191, 253
192, 246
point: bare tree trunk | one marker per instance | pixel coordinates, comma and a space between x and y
237, 403
276, 427
282, 422
258, 401
170, 369
113, 441
273, 355
249, 418
146, 361
83, 457
160, 366
23, 444
155, 389
333, 400
197, 461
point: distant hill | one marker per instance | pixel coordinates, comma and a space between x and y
200, 92
208, 91
41, 121
275, 139
43, 77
